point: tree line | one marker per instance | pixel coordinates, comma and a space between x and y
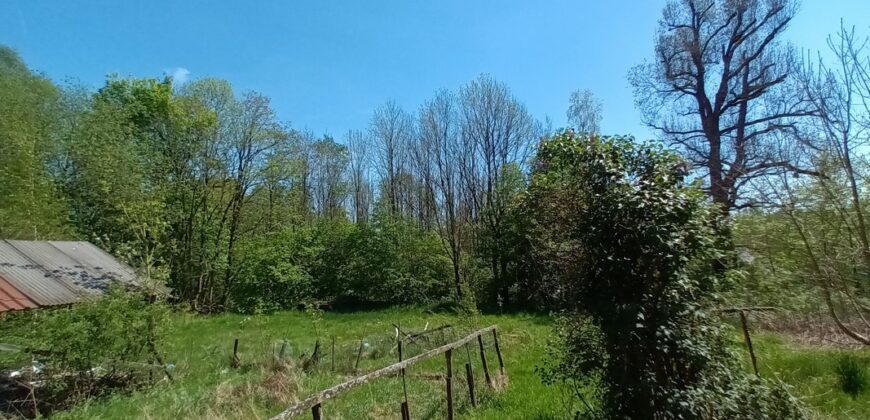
198, 185
192, 183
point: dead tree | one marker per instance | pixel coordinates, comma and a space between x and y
836, 139
718, 90
439, 135
391, 131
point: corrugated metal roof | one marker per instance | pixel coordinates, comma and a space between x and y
12, 299
97, 261
58, 272
31, 279
58, 265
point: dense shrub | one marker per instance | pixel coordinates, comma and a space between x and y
276, 270
851, 376
624, 243
89, 348
336, 262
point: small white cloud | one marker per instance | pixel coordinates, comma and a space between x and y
179, 75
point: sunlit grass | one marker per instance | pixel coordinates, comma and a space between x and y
206, 386
811, 373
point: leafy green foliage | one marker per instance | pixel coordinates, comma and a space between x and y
92, 347
31, 206
339, 263
851, 375
575, 358
624, 240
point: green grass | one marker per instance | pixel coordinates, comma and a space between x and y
206, 387
811, 372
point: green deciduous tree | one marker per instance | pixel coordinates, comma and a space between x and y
31, 206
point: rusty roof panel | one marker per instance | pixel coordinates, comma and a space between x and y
33, 280
43, 273
12, 299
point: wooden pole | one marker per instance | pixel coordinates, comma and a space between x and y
483, 360
748, 341
405, 413
469, 376
449, 356
498, 352
282, 354
235, 360
315, 412
358, 355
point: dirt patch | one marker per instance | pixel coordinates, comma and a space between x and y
815, 329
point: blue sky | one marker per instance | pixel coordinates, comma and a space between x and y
327, 64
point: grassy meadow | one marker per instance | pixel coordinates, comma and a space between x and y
205, 385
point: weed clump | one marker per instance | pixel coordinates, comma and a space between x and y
851, 376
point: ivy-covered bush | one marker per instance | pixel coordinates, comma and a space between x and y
625, 244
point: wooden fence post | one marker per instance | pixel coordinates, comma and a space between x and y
449, 356
317, 399
483, 361
235, 362
405, 412
469, 376
282, 354
315, 412
498, 352
358, 354
748, 341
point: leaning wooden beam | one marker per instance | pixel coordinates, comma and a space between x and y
427, 332
413, 336
339, 389
748, 341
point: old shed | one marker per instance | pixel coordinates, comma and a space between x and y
45, 273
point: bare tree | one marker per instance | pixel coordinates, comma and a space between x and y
584, 113
422, 197
439, 137
717, 89
361, 190
837, 139
392, 130
304, 172
500, 133
329, 180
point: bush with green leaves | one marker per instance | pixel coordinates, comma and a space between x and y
335, 262
393, 261
623, 241
275, 272
91, 347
